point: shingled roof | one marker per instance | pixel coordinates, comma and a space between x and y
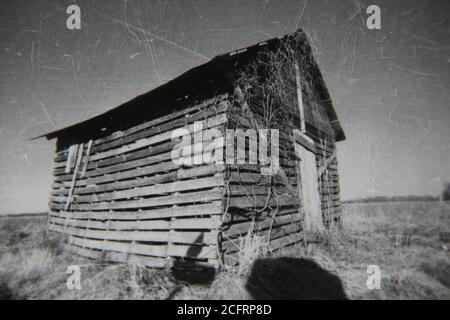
210, 77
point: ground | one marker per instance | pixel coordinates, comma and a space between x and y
408, 241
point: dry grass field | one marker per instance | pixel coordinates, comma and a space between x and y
409, 241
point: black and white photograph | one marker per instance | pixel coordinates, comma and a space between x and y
204, 150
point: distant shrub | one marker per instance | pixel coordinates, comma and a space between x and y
391, 199
446, 192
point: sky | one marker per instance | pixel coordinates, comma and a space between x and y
390, 87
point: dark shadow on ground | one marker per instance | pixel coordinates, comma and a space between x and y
293, 279
5, 292
189, 271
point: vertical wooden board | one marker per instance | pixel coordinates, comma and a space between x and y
86, 159
299, 97
309, 191
75, 175
70, 162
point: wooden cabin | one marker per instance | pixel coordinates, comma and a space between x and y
119, 196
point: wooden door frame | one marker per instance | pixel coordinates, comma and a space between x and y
313, 223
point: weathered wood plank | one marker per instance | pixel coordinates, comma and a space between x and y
232, 218
199, 238
260, 201
86, 158
181, 173
204, 252
121, 257
243, 227
193, 197
159, 189
304, 141
148, 170
140, 260
246, 177
75, 175
212, 208
278, 231
185, 223
285, 241
70, 161
253, 190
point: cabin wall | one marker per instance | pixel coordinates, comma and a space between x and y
319, 128
265, 205
329, 179
269, 206
131, 203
